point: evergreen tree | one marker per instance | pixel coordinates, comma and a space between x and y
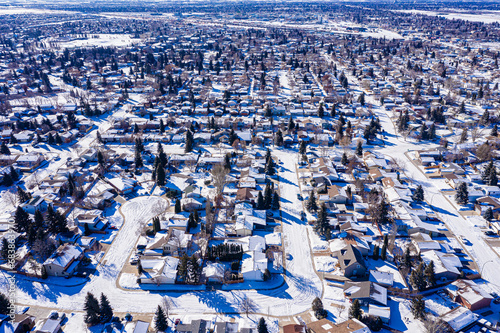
268, 196
139, 146
417, 278
407, 258
227, 162
50, 139
162, 126
344, 159
4, 150
178, 206
58, 139
355, 310
322, 227
359, 149
92, 310
22, 195
160, 176
361, 99
260, 201
424, 135
430, 274
262, 326
376, 252
488, 214
22, 220
189, 142
302, 148
106, 312
418, 307
4, 305
311, 203
383, 253
321, 110
160, 320
318, 309
270, 168
462, 194
4, 252
138, 160
418, 196
279, 138
291, 124
494, 130
13, 173
333, 111
275, 205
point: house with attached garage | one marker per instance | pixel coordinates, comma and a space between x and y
159, 270
64, 261
351, 261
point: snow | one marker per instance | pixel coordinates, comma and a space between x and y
325, 263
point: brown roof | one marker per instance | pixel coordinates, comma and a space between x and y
327, 326
292, 328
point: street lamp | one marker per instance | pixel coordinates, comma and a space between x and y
481, 271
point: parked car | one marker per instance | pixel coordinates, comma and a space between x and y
489, 233
134, 260
299, 196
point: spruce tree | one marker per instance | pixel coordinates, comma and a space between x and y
189, 142
160, 176
494, 130
268, 196
376, 252
262, 326
430, 274
383, 254
4, 304
178, 206
417, 278
160, 320
322, 227
355, 310
311, 203
279, 138
138, 160
92, 310
321, 110
488, 214
260, 201
275, 205
106, 312
22, 195
344, 159
22, 220
462, 194
4, 150
418, 307
359, 149
302, 147
418, 196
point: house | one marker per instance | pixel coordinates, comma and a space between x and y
383, 312
34, 204
293, 328
366, 292
171, 243
91, 221
214, 272
459, 318
349, 326
337, 194
159, 270
447, 266
351, 262
29, 161
253, 265
385, 279
64, 261
196, 326
225, 327
50, 326
469, 294
136, 326
20, 324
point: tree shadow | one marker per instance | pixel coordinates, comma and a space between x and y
442, 211
216, 300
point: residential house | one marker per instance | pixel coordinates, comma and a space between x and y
351, 262
136, 326
196, 326
469, 294
366, 292
64, 261
349, 326
159, 270
34, 204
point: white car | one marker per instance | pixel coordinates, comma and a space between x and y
134, 259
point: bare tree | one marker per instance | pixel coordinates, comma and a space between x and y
219, 174
11, 198
247, 305
475, 133
167, 304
